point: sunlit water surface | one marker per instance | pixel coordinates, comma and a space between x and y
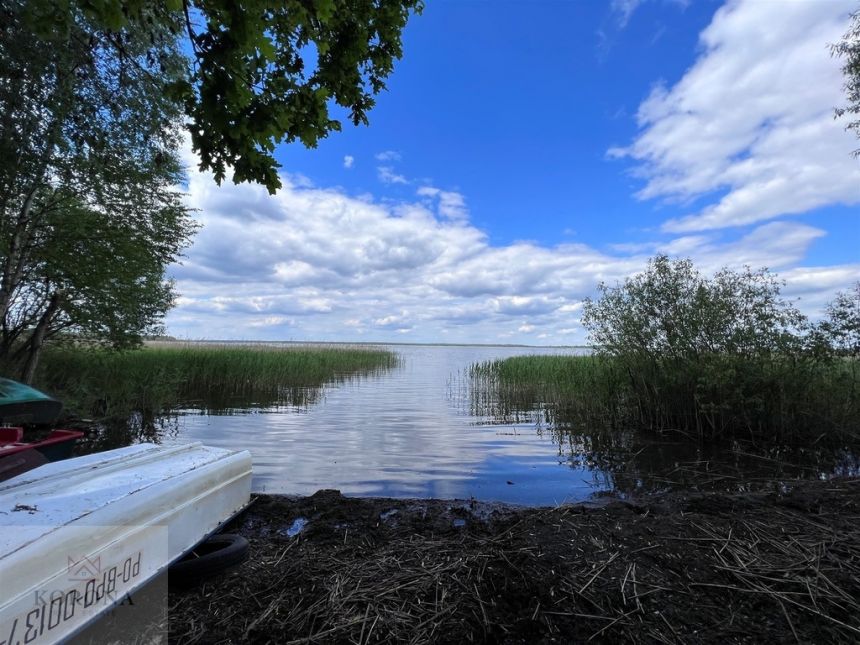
418, 431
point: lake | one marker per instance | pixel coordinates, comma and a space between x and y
420, 430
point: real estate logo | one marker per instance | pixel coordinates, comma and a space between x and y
84, 569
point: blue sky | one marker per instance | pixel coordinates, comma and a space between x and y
514, 104
525, 151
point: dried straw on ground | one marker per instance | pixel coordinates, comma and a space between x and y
702, 568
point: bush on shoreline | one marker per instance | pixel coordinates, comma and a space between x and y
714, 359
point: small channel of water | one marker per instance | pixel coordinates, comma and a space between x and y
419, 431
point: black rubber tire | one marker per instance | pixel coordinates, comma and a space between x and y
211, 557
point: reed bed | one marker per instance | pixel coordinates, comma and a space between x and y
588, 384
716, 568
766, 400
163, 376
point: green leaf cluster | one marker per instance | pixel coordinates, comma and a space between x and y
90, 210
672, 311
726, 356
840, 328
260, 72
848, 50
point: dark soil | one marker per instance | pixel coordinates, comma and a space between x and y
753, 567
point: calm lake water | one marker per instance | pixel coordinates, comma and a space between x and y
418, 430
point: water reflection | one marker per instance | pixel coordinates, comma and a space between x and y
148, 425
140, 427
401, 432
424, 429
630, 463
156, 416
293, 398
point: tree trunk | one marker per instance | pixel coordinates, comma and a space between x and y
37, 339
15, 262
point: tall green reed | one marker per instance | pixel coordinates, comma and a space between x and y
766, 399
158, 378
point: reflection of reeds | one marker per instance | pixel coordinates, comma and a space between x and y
577, 398
209, 377
624, 430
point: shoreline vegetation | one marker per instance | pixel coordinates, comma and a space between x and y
775, 566
713, 360
765, 402
719, 358
355, 343
165, 375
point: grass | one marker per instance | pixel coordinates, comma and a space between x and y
763, 400
163, 376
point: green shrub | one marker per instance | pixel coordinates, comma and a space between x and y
709, 358
840, 329
721, 357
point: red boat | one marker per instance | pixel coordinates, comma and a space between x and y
17, 456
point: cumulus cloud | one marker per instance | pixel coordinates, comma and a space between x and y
316, 263
449, 204
348, 161
752, 119
385, 172
525, 305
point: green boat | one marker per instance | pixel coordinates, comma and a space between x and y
22, 404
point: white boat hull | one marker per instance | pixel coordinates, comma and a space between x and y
80, 535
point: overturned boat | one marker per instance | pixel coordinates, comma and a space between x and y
79, 536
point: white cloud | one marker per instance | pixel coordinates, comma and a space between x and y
527, 305
388, 155
815, 286
387, 175
315, 263
450, 205
623, 10
348, 161
394, 321
269, 321
776, 245
752, 119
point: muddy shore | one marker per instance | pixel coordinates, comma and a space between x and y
780, 566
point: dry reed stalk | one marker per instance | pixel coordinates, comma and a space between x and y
698, 571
